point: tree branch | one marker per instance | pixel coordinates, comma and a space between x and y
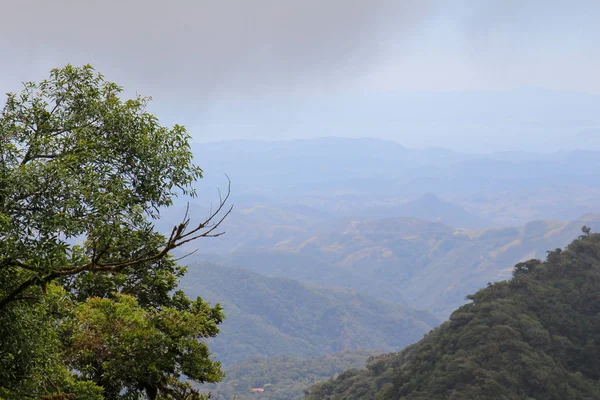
178, 237
14, 263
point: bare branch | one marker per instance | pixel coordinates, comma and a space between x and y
187, 211
186, 255
207, 233
207, 221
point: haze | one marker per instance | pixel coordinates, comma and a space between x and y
391, 165
477, 76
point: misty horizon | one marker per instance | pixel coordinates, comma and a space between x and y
241, 199
273, 70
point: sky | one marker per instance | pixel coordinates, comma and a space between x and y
242, 69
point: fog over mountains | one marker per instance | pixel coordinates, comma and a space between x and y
405, 176
334, 177
269, 316
527, 119
330, 229
418, 229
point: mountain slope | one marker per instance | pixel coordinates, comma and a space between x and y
423, 264
283, 378
427, 207
536, 336
279, 316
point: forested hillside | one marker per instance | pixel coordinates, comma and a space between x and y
283, 378
533, 337
279, 316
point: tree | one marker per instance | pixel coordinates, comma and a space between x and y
83, 174
30, 358
126, 347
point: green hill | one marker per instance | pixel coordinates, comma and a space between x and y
279, 316
536, 336
283, 378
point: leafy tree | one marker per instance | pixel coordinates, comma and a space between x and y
152, 283
125, 347
83, 174
30, 364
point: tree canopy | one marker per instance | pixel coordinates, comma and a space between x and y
83, 175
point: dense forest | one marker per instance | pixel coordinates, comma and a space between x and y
535, 336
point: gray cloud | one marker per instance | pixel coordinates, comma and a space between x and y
184, 52
199, 47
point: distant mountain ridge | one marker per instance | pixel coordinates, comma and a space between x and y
522, 118
340, 176
428, 207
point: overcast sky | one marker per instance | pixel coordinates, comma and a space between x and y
192, 54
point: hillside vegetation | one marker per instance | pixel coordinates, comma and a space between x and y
421, 264
283, 378
279, 316
536, 336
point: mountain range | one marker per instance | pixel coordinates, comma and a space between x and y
421, 264
338, 176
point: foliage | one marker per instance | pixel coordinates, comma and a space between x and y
152, 283
30, 364
83, 175
534, 337
78, 162
128, 348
